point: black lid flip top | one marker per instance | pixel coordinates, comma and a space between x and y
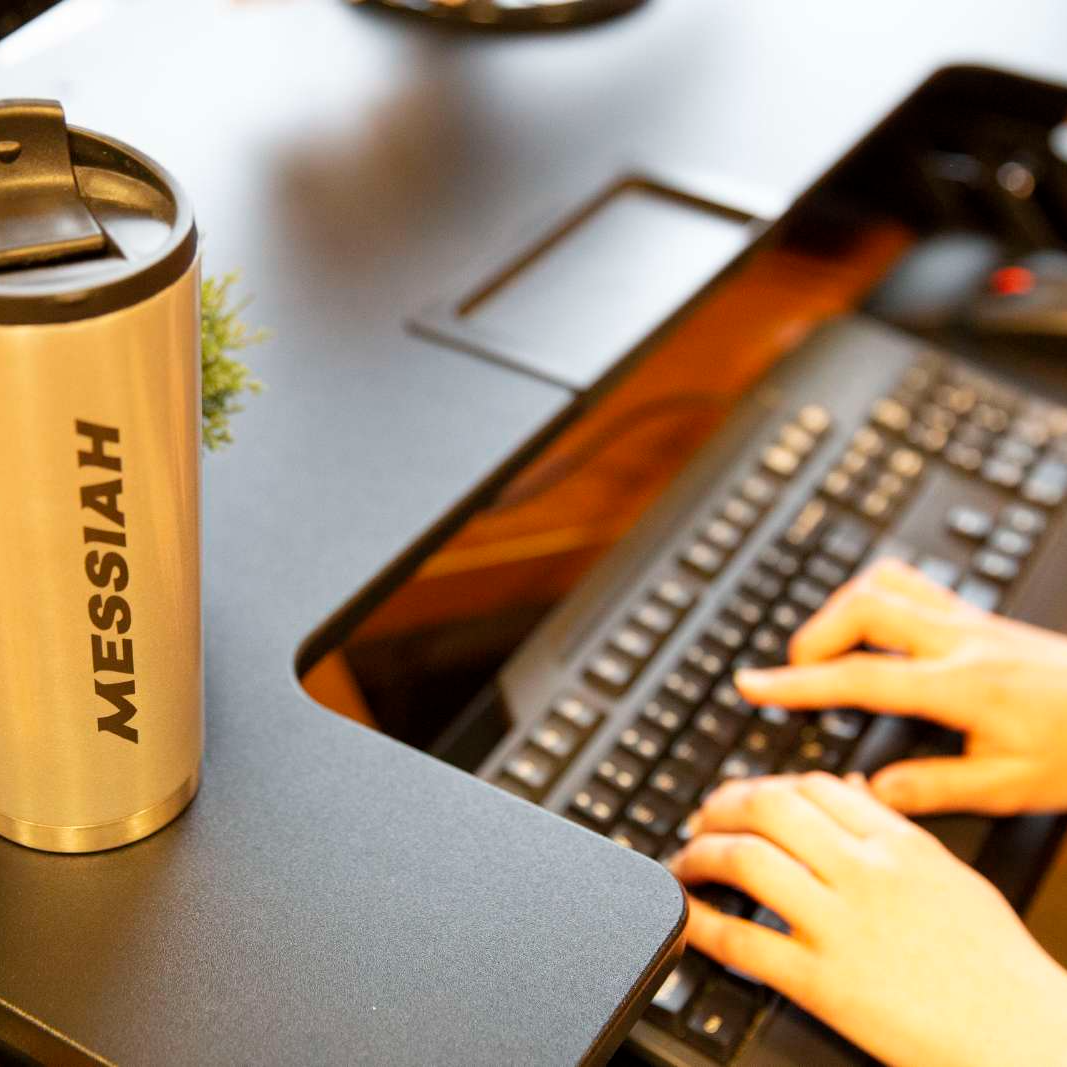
88, 225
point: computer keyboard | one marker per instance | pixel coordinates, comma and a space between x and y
861, 444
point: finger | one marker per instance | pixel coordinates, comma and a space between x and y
993, 785
776, 959
855, 810
877, 616
775, 809
863, 680
760, 869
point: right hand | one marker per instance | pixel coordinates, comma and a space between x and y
1003, 684
893, 941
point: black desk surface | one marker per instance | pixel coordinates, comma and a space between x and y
331, 896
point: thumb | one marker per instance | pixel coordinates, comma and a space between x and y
991, 785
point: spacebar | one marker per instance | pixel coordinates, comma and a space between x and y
887, 739
890, 738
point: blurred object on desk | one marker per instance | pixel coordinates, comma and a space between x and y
512, 14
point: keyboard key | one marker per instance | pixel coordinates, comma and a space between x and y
746, 610
940, 571
761, 584
1000, 472
1011, 543
702, 657
680, 987
578, 713
815, 754
700, 751
796, 439
805, 530
719, 1020
994, 420
995, 566
598, 803
635, 642
722, 535
966, 457
665, 712
839, 485
780, 461
769, 644
807, 594
726, 696
621, 770
906, 462
740, 512
1012, 450
630, 836
891, 415
822, 569
969, 522
1047, 484
644, 740
846, 724
677, 780
726, 634
533, 768
868, 441
654, 813
788, 617
743, 764
718, 725
611, 672
846, 541
688, 686
983, 595
656, 617
1024, 520
759, 491
779, 561
968, 433
556, 737
814, 418
702, 558
676, 594
929, 438
937, 418
875, 505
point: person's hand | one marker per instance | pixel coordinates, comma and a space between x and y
894, 942
1002, 683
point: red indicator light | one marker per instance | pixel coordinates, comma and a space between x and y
1012, 281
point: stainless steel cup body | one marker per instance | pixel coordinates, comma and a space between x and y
101, 706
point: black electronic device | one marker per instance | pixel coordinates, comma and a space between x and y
511, 14
862, 443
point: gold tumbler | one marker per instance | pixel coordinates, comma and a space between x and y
101, 678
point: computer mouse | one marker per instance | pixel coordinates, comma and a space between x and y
1027, 297
937, 281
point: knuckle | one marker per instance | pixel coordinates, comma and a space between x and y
746, 858
766, 805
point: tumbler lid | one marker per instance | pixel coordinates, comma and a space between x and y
88, 225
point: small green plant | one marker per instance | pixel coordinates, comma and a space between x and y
224, 378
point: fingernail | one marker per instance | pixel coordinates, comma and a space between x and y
750, 678
692, 824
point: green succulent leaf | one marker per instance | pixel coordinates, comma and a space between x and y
225, 379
